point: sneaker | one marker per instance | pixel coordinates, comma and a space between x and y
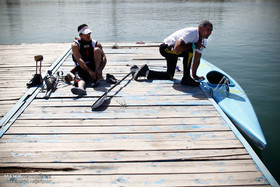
94, 84
78, 91
111, 79
35, 81
141, 72
190, 82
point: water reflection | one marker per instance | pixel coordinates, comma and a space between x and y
13, 16
55, 21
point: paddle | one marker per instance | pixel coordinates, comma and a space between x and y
101, 99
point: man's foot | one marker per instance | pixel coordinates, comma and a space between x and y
111, 79
199, 78
35, 81
94, 84
189, 81
141, 72
78, 91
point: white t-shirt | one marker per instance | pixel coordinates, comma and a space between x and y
188, 35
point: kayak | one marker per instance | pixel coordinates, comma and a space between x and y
233, 101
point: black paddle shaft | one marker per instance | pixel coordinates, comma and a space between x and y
133, 69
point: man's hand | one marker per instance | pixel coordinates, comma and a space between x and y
92, 74
99, 75
199, 45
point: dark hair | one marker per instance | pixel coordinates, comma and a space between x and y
204, 23
82, 26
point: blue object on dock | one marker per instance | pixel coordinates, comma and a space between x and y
229, 95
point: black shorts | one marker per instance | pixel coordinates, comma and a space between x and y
81, 74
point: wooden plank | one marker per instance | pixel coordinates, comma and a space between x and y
124, 156
43, 137
199, 121
121, 112
145, 110
124, 145
119, 102
175, 167
122, 102
199, 179
117, 129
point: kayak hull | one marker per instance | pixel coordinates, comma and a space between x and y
234, 102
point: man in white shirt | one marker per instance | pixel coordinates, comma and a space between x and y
181, 43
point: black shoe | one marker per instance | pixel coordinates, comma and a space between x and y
94, 84
141, 72
35, 81
189, 81
78, 91
111, 79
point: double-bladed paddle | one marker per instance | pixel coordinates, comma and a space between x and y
101, 99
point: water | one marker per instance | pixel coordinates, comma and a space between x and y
245, 41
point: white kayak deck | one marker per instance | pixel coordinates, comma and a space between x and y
148, 133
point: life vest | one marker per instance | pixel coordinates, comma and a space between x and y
86, 51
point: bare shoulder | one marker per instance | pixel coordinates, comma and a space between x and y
98, 44
74, 45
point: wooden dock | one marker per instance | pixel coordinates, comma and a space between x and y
147, 133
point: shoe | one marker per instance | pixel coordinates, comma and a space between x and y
94, 84
111, 79
35, 81
78, 91
189, 81
141, 72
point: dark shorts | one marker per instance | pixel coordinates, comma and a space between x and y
81, 74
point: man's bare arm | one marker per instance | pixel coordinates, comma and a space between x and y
104, 59
196, 62
181, 46
78, 57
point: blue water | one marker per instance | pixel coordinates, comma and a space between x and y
245, 41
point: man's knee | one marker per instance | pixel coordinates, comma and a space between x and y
97, 51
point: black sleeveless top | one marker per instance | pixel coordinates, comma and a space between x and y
86, 51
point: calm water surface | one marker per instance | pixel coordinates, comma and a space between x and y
245, 42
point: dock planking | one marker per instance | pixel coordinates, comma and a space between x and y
17, 66
147, 133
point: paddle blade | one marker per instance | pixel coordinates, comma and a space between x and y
99, 102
